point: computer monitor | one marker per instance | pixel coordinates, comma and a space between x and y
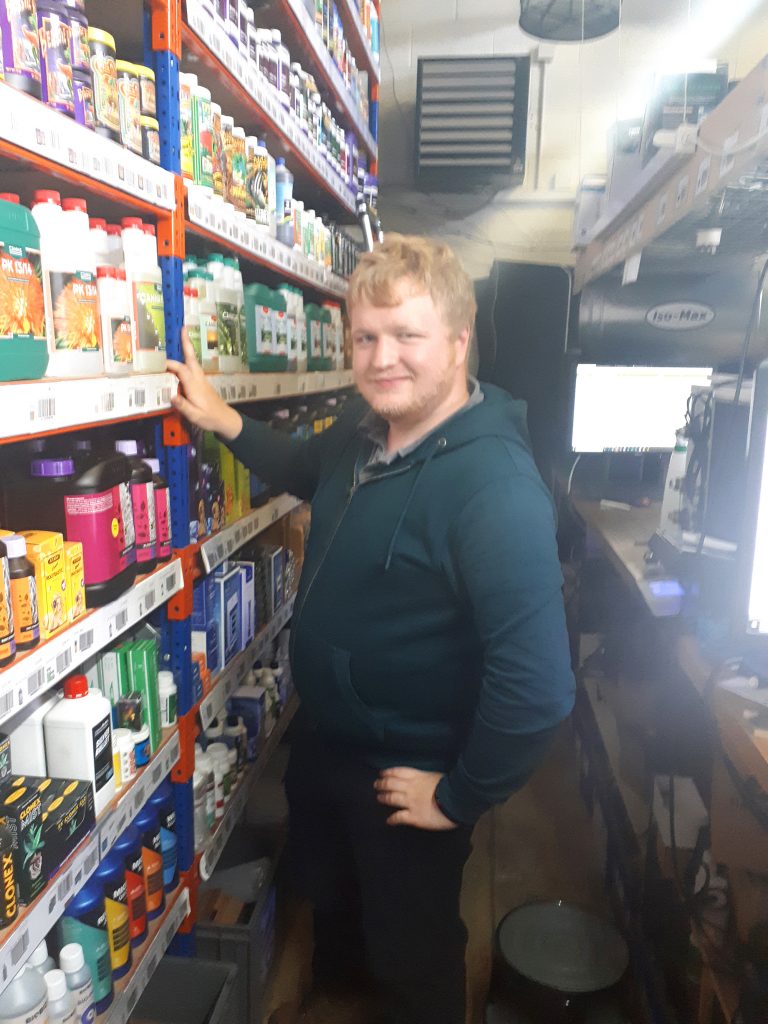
632, 409
754, 546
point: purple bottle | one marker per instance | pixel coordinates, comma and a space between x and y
20, 47
55, 36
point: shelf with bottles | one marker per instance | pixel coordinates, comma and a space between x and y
298, 24
31, 674
216, 549
161, 933
37, 919
361, 20
238, 388
215, 843
247, 96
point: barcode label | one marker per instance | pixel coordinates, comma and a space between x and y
157, 773
108, 402
64, 660
20, 947
121, 619
139, 396
7, 703
149, 598
35, 681
165, 396
64, 887
85, 642
46, 408
91, 861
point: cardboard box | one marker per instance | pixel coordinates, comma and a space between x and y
21, 813
231, 613
738, 839
205, 603
273, 558
151, 695
243, 482
46, 552
206, 643
75, 574
5, 757
249, 602
68, 817
114, 676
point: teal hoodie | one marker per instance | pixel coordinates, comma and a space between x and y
429, 627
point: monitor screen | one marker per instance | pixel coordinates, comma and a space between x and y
755, 538
631, 408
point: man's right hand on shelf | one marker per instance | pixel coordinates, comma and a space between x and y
197, 401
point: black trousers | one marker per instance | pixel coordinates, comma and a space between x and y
385, 898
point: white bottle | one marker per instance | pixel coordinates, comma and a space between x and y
209, 337
99, 240
228, 320
78, 739
240, 292
115, 244
117, 327
79, 981
40, 960
283, 68
70, 294
25, 1000
61, 1004
204, 765
202, 829
28, 742
252, 38
146, 284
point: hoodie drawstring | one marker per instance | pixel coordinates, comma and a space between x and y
441, 443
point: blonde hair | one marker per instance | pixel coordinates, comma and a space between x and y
431, 266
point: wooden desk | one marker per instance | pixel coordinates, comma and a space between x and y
624, 536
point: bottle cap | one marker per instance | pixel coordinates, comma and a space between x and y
165, 680
76, 686
148, 229
57, 984
75, 204
15, 547
106, 271
97, 223
52, 467
71, 958
127, 447
121, 274
114, 229
132, 222
9, 197
46, 195
40, 954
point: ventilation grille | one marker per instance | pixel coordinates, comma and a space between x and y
471, 115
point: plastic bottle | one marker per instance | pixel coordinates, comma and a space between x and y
192, 319
114, 244
187, 83
239, 169
162, 511
202, 830
267, 56
70, 292
204, 765
99, 240
7, 639
257, 185
283, 83
236, 733
284, 199
40, 960
54, 35
228, 305
111, 875
79, 983
209, 335
25, 1000
61, 1003
253, 54
239, 288
168, 698
23, 344
26, 624
128, 846
117, 324
145, 280
85, 922
164, 803
78, 739
143, 504
20, 48
220, 754
202, 137
148, 823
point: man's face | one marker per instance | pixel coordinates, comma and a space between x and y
405, 358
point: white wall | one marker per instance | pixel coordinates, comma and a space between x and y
588, 87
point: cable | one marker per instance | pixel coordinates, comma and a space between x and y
570, 475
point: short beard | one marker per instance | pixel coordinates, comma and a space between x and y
423, 407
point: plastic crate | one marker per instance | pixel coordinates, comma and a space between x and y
188, 991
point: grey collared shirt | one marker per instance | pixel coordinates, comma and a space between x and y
376, 428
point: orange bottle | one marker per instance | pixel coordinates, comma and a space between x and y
26, 621
7, 641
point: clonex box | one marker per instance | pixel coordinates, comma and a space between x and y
68, 817
21, 813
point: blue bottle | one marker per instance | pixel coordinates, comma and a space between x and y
164, 803
85, 921
111, 874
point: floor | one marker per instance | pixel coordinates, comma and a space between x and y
539, 845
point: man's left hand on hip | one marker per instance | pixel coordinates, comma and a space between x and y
413, 792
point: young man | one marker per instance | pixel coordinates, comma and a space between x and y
429, 645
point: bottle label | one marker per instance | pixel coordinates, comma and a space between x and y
193, 330
56, 63
152, 859
103, 523
217, 148
7, 642
143, 500
90, 932
258, 188
150, 316
75, 304
21, 55
22, 306
148, 97
129, 103
187, 140
281, 333
85, 109
37, 1015
203, 141
9, 907
81, 50
121, 335
152, 144
26, 623
228, 329
84, 1003
170, 873
316, 339
103, 765
264, 331
137, 897
118, 929
105, 94
163, 514
209, 336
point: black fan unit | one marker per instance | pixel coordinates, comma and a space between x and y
569, 20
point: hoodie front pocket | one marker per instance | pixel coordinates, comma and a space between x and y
346, 693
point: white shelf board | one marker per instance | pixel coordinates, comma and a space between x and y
252, 387
266, 99
225, 543
40, 406
43, 914
31, 675
31, 125
234, 674
235, 230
